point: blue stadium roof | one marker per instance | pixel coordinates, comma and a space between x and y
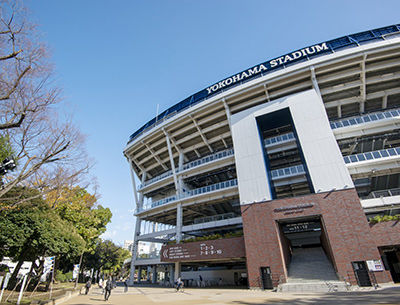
267, 67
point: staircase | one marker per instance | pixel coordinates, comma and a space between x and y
311, 271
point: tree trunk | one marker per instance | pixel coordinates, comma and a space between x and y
21, 259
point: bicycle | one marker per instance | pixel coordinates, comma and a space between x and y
179, 287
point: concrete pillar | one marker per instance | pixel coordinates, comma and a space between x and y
139, 275
148, 273
172, 274
178, 266
180, 177
171, 159
154, 279
134, 250
179, 222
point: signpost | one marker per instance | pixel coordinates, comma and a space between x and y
21, 292
7, 278
47, 268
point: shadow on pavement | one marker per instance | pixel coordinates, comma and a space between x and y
390, 295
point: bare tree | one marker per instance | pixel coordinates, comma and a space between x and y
49, 148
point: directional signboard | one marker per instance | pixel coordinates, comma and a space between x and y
204, 250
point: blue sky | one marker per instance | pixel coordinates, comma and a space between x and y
118, 59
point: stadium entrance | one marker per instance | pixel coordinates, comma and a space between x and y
307, 250
302, 233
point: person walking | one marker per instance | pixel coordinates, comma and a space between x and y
88, 285
200, 282
108, 287
126, 284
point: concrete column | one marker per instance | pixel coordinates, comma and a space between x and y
180, 178
133, 181
139, 274
134, 250
171, 274
141, 197
179, 222
228, 114
171, 159
178, 266
148, 273
154, 279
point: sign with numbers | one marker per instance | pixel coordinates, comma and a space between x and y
204, 250
301, 226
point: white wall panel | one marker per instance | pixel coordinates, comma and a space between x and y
321, 152
249, 158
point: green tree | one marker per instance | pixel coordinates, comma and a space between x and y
77, 206
34, 229
5, 148
106, 257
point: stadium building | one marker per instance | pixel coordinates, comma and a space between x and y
271, 176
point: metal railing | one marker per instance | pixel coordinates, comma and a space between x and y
372, 117
210, 158
288, 137
372, 155
383, 193
155, 179
191, 193
214, 218
204, 160
288, 171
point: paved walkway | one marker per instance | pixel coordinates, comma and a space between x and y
139, 295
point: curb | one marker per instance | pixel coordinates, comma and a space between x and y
68, 295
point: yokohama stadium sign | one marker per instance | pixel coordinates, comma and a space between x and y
301, 55
272, 64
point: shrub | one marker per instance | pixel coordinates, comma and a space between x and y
379, 218
61, 277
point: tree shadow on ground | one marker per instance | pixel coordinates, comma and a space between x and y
389, 295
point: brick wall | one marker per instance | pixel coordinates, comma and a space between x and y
347, 232
386, 233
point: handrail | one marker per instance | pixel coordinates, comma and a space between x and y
372, 155
191, 193
155, 179
371, 117
288, 171
217, 156
209, 158
383, 193
214, 218
288, 137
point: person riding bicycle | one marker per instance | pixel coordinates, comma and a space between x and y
179, 284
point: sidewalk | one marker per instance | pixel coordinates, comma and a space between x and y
145, 295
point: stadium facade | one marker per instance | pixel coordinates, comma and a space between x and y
284, 161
